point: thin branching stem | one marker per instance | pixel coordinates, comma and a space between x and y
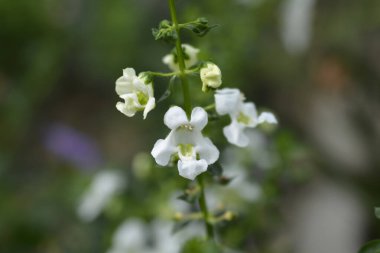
188, 107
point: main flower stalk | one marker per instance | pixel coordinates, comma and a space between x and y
203, 206
187, 107
181, 61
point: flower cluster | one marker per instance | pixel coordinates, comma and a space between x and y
185, 145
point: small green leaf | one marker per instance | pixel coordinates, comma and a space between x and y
371, 247
215, 169
199, 26
168, 91
179, 225
377, 212
223, 180
199, 245
190, 195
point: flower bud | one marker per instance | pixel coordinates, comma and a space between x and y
190, 55
211, 76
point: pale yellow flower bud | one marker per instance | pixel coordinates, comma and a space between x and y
211, 76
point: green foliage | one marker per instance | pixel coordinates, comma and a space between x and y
200, 245
191, 194
165, 31
216, 170
371, 247
200, 26
168, 91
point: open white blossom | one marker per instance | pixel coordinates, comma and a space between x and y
191, 58
195, 152
211, 76
243, 115
104, 186
137, 95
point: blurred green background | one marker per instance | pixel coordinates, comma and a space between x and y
58, 64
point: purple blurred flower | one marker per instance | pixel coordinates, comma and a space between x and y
72, 146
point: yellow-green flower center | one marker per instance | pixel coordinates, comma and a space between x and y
243, 119
142, 98
186, 149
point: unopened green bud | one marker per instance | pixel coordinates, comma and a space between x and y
199, 26
165, 32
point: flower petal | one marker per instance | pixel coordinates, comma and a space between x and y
267, 117
175, 117
129, 73
235, 134
123, 86
207, 150
169, 61
199, 118
227, 101
149, 106
191, 168
163, 150
192, 55
249, 109
126, 110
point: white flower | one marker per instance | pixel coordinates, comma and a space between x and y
211, 76
243, 115
104, 186
194, 151
137, 95
130, 236
191, 58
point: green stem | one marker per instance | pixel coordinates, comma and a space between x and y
181, 61
161, 74
203, 206
187, 106
209, 107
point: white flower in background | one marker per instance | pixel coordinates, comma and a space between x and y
243, 115
211, 76
137, 95
191, 58
130, 236
297, 18
195, 152
136, 236
104, 186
